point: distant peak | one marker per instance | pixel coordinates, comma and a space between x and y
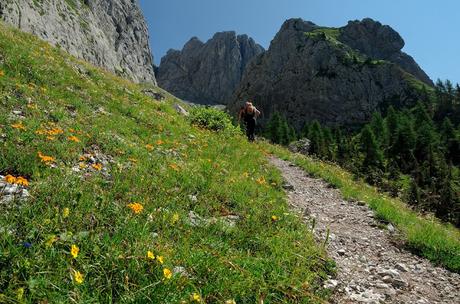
298, 24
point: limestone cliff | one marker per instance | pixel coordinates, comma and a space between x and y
207, 73
108, 33
337, 76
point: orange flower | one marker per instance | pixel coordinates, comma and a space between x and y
136, 207
97, 167
73, 138
46, 159
261, 181
149, 147
10, 179
159, 142
18, 126
22, 181
82, 158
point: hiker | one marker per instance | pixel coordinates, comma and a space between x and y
249, 113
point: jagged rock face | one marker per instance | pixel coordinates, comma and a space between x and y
207, 73
108, 33
380, 42
308, 73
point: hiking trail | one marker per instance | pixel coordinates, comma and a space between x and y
371, 266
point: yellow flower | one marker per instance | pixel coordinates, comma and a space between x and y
73, 138
150, 255
160, 259
74, 250
97, 167
18, 126
175, 218
20, 293
82, 158
149, 147
2, 73
275, 218
196, 297
231, 301
261, 180
65, 212
133, 160
159, 142
51, 138
136, 207
82, 165
246, 174
78, 277
167, 273
10, 179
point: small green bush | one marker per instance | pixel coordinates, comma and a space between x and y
212, 119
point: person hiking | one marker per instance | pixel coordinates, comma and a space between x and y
249, 114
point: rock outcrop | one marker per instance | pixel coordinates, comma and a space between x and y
207, 73
338, 76
108, 33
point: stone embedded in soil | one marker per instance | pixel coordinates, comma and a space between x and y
373, 270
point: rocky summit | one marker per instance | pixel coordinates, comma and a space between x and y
338, 76
108, 33
207, 73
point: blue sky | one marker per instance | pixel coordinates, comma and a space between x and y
431, 29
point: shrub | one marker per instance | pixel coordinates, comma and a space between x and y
212, 119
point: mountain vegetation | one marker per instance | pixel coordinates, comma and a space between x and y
108, 195
413, 153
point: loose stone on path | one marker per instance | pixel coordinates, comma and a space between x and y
371, 269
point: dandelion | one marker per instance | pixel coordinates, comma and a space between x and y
136, 207
65, 212
45, 159
74, 250
22, 181
18, 126
160, 259
275, 218
167, 273
246, 174
149, 147
73, 138
78, 277
174, 167
196, 297
82, 165
97, 167
10, 179
150, 255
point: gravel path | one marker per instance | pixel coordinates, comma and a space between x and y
371, 267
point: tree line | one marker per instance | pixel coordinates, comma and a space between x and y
413, 153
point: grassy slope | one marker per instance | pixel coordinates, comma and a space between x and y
259, 259
427, 237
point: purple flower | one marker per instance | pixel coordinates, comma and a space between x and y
27, 244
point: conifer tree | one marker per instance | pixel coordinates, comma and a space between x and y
273, 131
316, 139
373, 156
379, 128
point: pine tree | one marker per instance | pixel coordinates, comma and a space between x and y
450, 141
316, 139
273, 131
414, 197
373, 156
379, 128
392, 122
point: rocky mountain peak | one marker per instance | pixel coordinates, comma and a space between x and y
338, 76
208, 73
